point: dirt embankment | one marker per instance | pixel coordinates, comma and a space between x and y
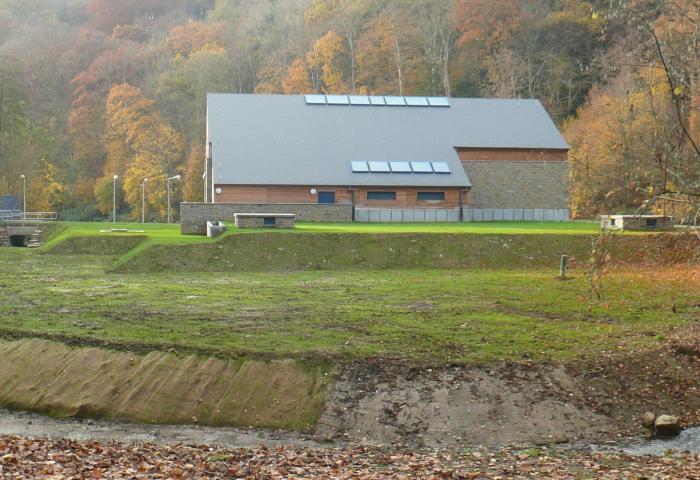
375, 402
49, 377
90, 245
592, 400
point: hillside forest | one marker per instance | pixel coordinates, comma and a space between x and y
90, 89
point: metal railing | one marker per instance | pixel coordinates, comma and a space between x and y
18, 216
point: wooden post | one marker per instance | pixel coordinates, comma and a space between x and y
563, 266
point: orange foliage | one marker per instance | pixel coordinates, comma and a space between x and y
326, 56
297, 79
194, 36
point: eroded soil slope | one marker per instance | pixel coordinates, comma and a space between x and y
49, 377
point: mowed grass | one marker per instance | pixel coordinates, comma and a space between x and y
164, 233
431, 316
169, 234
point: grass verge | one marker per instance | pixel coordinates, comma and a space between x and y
422, 315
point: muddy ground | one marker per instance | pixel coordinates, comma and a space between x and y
370, 402
516, 404
31, 425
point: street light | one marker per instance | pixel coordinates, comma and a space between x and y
24, 196
114, 199
143, 200
178, 178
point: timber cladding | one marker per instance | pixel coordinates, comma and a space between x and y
513, 154
278, 194
518, 184
408, 197
404, 197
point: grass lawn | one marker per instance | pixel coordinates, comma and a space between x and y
163, 233
426, 315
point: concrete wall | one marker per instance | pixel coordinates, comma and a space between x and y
516, 215
194, 216
406, 215
415, 215
518, 184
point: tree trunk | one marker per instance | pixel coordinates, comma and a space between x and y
446, 69
353, 66
399, 66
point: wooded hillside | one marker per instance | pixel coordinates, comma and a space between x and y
90, 89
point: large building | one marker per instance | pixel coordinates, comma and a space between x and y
376, 158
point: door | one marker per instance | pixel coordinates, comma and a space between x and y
326, 197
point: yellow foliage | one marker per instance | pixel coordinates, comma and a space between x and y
141, 144
326, 55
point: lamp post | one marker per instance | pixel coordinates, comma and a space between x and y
24, 196
143, 200
114, 199
178, 178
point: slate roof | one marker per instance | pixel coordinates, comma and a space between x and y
280, 140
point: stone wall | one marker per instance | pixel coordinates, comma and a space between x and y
194, 216
498, 184
248, 221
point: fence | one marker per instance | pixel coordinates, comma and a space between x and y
18, 216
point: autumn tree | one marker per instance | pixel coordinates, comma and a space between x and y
326, 60
193, 182
618, 144
381, 55
344, 16
194, 36
297, 80
153, 148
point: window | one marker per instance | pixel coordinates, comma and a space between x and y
270, 222
326, 197
381, 195
431, 196
652, 223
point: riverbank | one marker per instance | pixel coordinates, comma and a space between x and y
371, 401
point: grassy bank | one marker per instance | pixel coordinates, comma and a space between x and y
353, 251
424, 315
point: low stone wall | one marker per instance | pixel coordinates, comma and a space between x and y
259, 220
194, 216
